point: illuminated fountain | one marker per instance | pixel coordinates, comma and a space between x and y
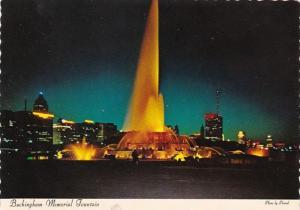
81, 150
144, 124
258, 151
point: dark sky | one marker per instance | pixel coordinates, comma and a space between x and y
82, 54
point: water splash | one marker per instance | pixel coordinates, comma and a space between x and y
82, 151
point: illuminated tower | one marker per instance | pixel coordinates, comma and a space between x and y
214, 121
269, 141
218, 100
41, 124
241, 137
213, 126
40, 104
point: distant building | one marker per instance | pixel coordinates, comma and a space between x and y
33, 131
255, 143
64, 132
213, 126
279, 145
269, 141
24, 130
8, 123
40, 104
106, 133
87, 129
202, 130
241, 137
28, 131
68, 132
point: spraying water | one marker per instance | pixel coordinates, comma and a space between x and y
146, 109
145, 119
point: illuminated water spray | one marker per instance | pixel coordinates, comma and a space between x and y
82, 151
144, 124
146, 109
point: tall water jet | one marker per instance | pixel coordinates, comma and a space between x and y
146, 109
144, 124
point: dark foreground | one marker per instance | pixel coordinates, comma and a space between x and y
122, 179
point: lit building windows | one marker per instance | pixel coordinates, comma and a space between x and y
213, 126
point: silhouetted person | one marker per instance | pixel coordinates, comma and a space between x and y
144, 153
135, 157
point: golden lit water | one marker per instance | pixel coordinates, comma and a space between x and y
145, 118
82, 151
260, 152
146, 109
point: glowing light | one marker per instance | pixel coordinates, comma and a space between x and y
210, 116
43, 115
164, 141
179, 157
61, 126
59, 155
82, 151
67, 121
146, 109
237, 152
260, 152
43, 157
241, 134
89, 121
144, 122
197, 156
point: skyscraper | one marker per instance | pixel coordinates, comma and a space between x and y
40, 104
68, 132
7, 129
241, 137
64, 132
36, 124
32, 131
213, 126
269, 141
28, 132
202, 132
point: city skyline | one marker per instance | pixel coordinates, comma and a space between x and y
87, 70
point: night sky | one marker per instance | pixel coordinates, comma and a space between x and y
82, 55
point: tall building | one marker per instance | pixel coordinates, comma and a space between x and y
107, 133
7, 127
33, 131
241, 136
64, 132
68, 132
40, 104
89, 129
213, 126
202, 133
26, 131
269, 141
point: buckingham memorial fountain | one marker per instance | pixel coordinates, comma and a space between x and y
144, 125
